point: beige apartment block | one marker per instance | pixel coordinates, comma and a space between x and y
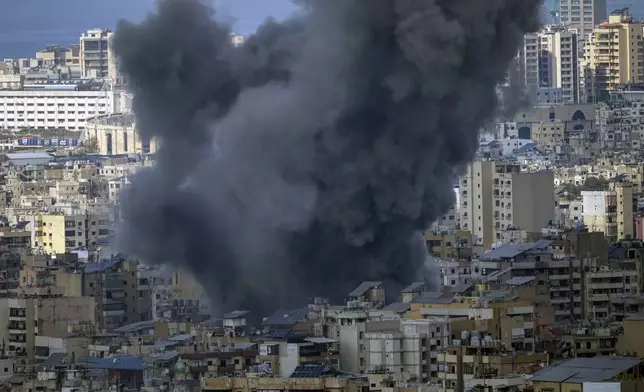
497, 195
95, 53
549, 135
615, 53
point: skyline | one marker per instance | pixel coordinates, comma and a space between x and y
30, 25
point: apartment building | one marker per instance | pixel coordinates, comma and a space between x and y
553, 53
60, 232
549, 135
621, 125
484, 363
113, 284
410, 353
55, 55
307, 378
561, 277
605, 283
615, 53
54, 107
13, 244
20, 330
497, 195
610, 211
452, 244
498, 313
582, 15
588, 341
95, 53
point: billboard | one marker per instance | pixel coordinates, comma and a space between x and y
26, 141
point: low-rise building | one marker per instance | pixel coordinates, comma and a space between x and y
484, 364
573, 373
305, 377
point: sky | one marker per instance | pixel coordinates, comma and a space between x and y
29, 25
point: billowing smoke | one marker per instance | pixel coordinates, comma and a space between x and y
311, 158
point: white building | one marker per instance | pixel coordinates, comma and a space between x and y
509, 147
506, 130
610, 211
53, 108
552, 61
410, 353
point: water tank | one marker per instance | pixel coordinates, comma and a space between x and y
465, 335
476, 342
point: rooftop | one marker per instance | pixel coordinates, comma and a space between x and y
135, 327
52, 362
433, 298
101, 266
580, 370
118, 120
414, 287
397, 307
236, 314
510, 251
182, 337
29, 155
287, 317
519, 280
363, 288
122, 362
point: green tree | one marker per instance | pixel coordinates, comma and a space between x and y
89, 146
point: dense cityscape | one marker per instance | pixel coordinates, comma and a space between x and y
540, 259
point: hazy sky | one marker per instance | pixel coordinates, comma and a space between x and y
29, 25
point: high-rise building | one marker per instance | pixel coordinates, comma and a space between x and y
615, 54
96, 56
496, 196
552, 61
582, 15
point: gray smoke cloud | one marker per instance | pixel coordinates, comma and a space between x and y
311, 158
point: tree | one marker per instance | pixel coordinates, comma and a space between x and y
89, 146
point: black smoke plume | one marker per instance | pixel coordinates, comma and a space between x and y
311, 158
